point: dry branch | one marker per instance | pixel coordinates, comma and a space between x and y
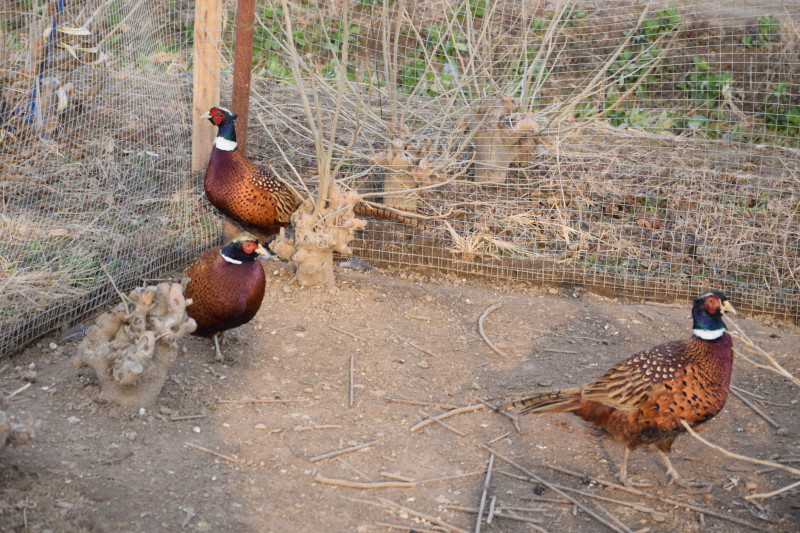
774, 366
748, 459
319, 478
212, 452
555, 489
448, 414
341, 451
752, 406
482, 333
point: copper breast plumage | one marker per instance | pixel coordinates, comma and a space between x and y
224, 295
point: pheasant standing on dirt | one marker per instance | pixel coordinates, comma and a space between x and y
226, 285
255, 198
642, 400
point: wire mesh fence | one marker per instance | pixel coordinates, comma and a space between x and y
646, 149
93, 158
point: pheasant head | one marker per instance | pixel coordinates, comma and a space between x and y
224, 120
243, 250
707, 314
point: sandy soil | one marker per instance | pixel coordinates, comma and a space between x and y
97, 467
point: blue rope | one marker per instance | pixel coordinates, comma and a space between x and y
31, 111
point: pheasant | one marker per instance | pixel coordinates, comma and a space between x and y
226, 285
642, 400
255, 198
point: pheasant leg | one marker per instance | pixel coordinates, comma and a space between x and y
623, 473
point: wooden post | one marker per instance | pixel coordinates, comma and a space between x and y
242, 65
208, 16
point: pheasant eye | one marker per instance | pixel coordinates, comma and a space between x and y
712, 304
249, 247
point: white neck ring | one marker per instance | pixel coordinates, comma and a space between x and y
224, 144
229, 259
709, 335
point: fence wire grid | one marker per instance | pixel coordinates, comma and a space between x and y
643, 149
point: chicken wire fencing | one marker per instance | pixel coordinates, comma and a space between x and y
94, 158
644, 149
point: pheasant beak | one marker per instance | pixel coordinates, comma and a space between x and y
728, 308
206, 115
263, 252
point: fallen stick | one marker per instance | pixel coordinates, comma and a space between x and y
212, 452
511, 417
484, 492
753, 347
753, 394
482, 333
448, 478
492, 509
19, 390
446, 425
765, 495
403, 528
670, 501
570, 352
267, 400
319, 478
350, 393
752, 406
555, 489
396, 477
429, 518
420, 403
311, 428
745, 458
356, 337
504, 435
341, 451
420, 348
448, 414
186, 417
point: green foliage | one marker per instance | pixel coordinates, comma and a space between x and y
766, 31
474, 8
779, 112
706, 86
661, 22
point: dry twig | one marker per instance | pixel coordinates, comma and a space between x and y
447, 414
482, 333
421, 403
758, 411
745, 458
773, 366
212, 452
484, 492
319, 478
555, 489
341, 451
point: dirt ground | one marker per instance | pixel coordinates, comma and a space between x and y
97, 467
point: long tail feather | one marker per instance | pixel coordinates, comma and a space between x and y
364, 210
547, 402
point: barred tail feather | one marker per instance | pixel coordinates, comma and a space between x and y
364, 210
547, 402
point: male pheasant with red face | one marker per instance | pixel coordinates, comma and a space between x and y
642, 400
226, 285
258, 200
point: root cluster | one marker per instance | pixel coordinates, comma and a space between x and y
132, 347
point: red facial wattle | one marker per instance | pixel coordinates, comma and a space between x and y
249, 247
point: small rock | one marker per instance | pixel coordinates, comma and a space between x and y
552, 290
53, 346
782, 431
32, 366
196, 429
130, 435
164, 410
658, 517
29, 375
545, 383
423, 364
73, 420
